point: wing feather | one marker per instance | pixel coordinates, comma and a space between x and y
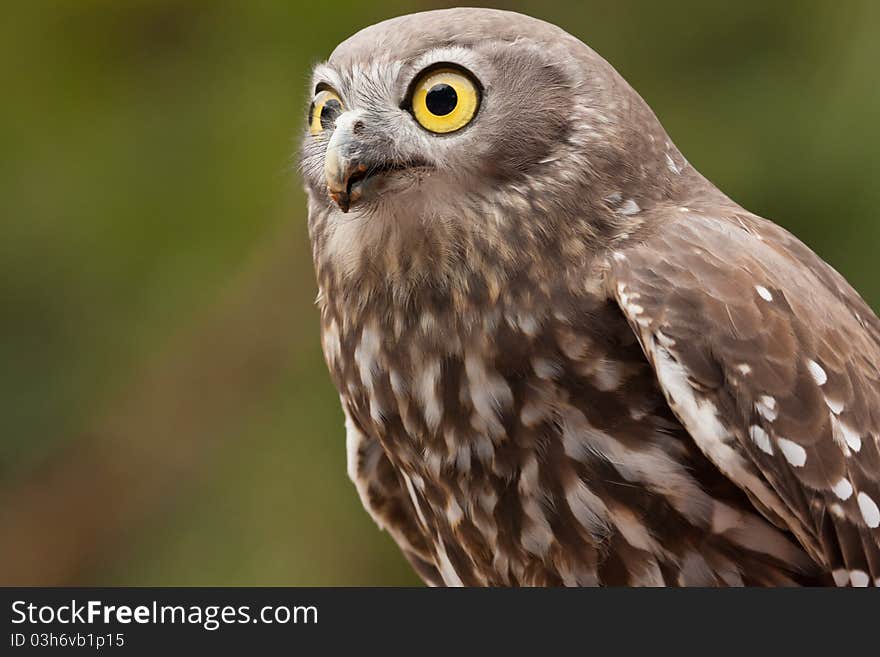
770, 361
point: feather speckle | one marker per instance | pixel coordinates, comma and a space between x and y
869, 509
764, 293
794, 453
818, 372
843, 489
761, 438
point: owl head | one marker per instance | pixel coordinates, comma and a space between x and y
460, 133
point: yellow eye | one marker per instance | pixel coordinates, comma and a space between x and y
323, 111
445, 100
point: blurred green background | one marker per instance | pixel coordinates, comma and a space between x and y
165, 412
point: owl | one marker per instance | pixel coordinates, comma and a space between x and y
563, 355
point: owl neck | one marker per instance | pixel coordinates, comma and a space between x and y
408, 266
480, 254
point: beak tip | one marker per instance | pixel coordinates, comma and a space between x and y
342, 200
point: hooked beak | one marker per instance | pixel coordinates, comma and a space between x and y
355, 166
344, 167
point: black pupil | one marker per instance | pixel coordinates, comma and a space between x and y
329, 112
441, 99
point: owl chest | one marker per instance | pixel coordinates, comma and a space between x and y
472, 422
435, 404
449, 425
442, 395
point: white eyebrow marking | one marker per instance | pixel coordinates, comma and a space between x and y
326, 74
463, 57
